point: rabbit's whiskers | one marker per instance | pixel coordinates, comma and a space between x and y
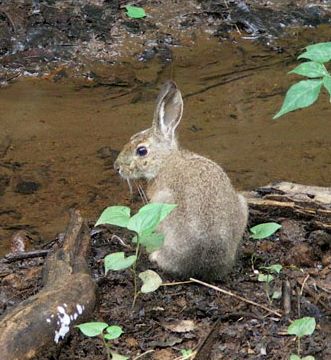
142, 193
129, 185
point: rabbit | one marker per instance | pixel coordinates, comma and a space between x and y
202, 234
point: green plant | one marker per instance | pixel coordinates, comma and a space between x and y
301, 327
144, 225
264, 230
268, 278
105, 333
135, 12
305, 92
186, 353
296, 357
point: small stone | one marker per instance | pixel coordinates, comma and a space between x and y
20, 242
27, 187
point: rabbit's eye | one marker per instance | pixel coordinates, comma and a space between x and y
141, 151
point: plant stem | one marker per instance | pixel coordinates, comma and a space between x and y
299, 346
135, 274
106, 346
267, 290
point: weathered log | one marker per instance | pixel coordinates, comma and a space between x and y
68, 297
309, 203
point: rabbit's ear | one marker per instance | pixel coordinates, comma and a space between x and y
169, 110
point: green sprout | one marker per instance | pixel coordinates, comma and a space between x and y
268, 278
144, 224
106, 333
135, 12
301, 327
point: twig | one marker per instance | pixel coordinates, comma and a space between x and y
178, 283
286, 296
226, 292
121, 241
143, 354
205, 347
26, 255
317, 299
303, 284
187, 357
10, 20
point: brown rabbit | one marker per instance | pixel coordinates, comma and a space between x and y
203, 232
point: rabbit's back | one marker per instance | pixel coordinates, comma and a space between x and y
202, 234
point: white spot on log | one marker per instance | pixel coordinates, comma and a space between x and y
64, 319
80, 308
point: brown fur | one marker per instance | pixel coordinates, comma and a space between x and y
202, 234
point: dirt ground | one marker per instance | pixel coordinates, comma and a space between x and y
181, 316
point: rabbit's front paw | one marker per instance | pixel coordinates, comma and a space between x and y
153, 257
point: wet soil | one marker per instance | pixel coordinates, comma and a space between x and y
40, 35
180, 316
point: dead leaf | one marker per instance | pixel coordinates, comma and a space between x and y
180, 326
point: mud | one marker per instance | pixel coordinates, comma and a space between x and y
39, 36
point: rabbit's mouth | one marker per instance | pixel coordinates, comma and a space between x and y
127, 173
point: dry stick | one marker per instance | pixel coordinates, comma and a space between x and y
303, 284
286, 298
143, 354
25, 255
177, 283
237, 297
317, 300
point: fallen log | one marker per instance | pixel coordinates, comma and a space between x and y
39, 323
296, 201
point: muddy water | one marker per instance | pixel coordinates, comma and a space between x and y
57, 139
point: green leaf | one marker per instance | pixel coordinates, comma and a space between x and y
295, 357
116, 356
302, 327
277, 294
92, 329
310, 69
300, 95
118, 261
320, 52
152, 242
276, 268
113, 332
264, 230
151, 281
115, 215
135, 12
265, 278
327, 84
186, 353
149, 217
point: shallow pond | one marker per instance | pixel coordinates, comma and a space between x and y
58, 138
